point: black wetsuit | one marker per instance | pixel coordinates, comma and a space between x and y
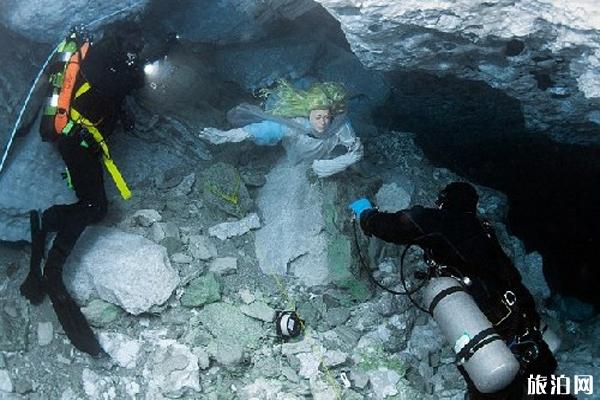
111, 78
466, 243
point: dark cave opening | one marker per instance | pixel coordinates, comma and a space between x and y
479, 132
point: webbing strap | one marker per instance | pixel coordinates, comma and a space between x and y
480, 340
108, 162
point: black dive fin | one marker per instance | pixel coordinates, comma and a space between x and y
32, 287
74, 323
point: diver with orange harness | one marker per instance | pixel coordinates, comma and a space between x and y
87, 85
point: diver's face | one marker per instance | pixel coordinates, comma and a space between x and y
320, 119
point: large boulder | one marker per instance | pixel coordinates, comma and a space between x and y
49, 20
120, 268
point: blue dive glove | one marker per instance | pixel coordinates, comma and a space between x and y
360, 205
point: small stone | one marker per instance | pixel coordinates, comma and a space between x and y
259, 310
5, 382
146, 217
201, 248
224, 265
246, 296
227, 230
226, 353
309, 365
202, 354
181, 258
100, 313
172, 244
337, 316
185, 187
124, 350
45, 333
202, 290
333, 358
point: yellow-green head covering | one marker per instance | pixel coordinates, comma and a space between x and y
291, 102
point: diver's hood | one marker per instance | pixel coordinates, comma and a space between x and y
245, 114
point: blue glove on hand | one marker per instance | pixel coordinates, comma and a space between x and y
360, 205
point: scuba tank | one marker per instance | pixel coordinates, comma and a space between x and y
550, 337
479, 349
288, 325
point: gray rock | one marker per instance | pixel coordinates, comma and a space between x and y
223, 266
6, 384
230, 328
336, 316
228, 230
97, 387
146, 217
202, 290
173, 245
185, 187
226, 353
100, 313
45, 333
223, 189
333, 358
391, 198
31, 161
181, 258
202, 354
14, 324
201, 247
121, 348
120, 268
259, 310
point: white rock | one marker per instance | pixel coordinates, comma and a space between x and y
45, 333
223, 266
261, 388
146, 217
309, 365
5, 382
97, 387
259, 310
383, 382
173, 370
120, 268
121, 348
227, 230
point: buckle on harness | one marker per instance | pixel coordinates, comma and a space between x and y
509, 298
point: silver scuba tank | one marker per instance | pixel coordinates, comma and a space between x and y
479, 349
550, 337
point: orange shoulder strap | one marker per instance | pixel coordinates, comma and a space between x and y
66, 92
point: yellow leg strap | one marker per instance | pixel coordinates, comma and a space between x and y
108, 162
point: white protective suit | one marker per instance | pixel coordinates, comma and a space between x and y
301, 142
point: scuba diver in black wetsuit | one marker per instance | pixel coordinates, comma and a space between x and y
459, 244
88, 83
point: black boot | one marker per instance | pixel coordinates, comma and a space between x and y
70, 316
32, 288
